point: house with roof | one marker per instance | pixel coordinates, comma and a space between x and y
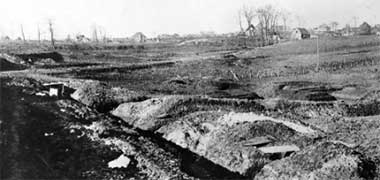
376, 29
322, 29
299, 34
139, 37
365, 29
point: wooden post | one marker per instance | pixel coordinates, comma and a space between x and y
317, 69
22, 33
51, 33
39, 35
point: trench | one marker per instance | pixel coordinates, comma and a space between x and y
35, 144
303, 109
191, 163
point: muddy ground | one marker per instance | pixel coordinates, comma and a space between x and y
177, 113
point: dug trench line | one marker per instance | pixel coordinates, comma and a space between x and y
221, 136
56, 121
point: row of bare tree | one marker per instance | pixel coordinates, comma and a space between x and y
267, 20
96, 31
50, 29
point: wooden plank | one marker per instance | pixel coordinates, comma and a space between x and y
279, 149
258, 141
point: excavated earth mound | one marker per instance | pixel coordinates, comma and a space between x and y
43, 58
36, 57
103, 98
240, 142
302, 90
328, 160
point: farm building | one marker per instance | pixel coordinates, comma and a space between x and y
376, 29
365, 29
5, 38
300, 33
322, 29
139, 37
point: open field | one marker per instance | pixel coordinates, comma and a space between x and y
285, 111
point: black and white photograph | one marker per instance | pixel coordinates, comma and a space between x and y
190, 89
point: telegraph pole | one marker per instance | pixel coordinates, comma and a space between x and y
22, 33
318, 60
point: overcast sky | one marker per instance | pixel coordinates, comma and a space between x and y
122, 18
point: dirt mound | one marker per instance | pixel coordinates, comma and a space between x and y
36, 57
225, 140
303, 90
213, 132
328, 160
104, 98
45, 58
155, 112
224, 84
6, 65
238, 94
307, 109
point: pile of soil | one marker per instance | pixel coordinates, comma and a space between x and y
22, 61
46, 138
235, 94
225, 84
50, 57
327, 160
103, 97
304, 90
213, 133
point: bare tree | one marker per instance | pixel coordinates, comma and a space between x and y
249, 13
300, 20
268, 17
22, 33
51, 30
334, 25
102, 34
285, 15
355, 18
240, 21
95, 34
39, 34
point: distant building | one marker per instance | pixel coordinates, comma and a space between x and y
168, 38
322, 29
139, 37
365, 29
376, 29
300, 33
5, 38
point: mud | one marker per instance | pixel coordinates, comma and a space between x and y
328, 160
217, 135
6, 65
184, 136
35, 144
46, 138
